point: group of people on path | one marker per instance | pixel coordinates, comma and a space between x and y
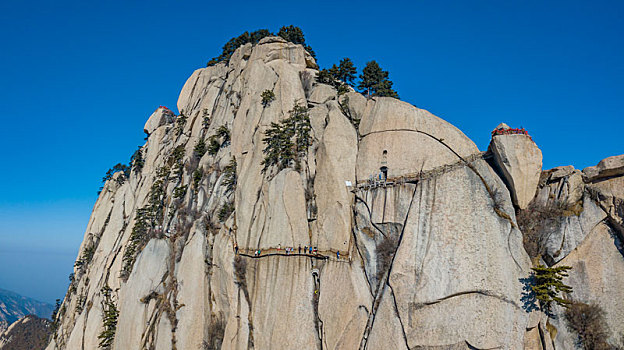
290, 250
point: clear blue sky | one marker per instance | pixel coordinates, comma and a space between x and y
79, 78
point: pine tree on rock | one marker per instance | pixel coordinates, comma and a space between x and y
292, 34
295, 35
259, 35
549, 286
110, 314
375, 81
287, 142
346, 71
234, 43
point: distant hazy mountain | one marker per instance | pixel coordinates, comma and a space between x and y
29, 333
14, 306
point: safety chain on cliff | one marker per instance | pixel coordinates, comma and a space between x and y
311, 252
373, 183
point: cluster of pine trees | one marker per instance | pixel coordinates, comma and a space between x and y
374, 81
287, 142
289, 33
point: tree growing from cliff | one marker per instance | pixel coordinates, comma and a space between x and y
229, 175
110, 314
147, 218
287, 142
328, 76
224, 133
295, 35
198, 174
346, 71
234, 43
200, 149
226, 210
340, 76
549, 285
290, 33
220, 139
267, 97
117, 167
136, 161
375, 82
86, 256
278, 150
56, 316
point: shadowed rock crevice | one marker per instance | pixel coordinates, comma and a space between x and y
396, 310
383, 280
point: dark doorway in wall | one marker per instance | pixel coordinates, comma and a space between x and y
384, 165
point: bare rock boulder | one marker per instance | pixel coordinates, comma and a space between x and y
160, 117
612, 166
520, 163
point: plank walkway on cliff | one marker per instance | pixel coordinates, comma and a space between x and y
369, 184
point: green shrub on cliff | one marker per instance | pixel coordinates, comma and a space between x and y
287, 142
549, 285
200, 149
110, 314
267, 97
229, 175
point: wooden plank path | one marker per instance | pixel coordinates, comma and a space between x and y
321, 255
366, 185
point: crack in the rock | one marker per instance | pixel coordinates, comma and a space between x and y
370, 215
221, 89
251, 220
541, 335
472, 347
483, 292
509, 248
355, 239
385, 280
398, 315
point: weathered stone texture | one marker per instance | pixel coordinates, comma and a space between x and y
453, 282
520, 162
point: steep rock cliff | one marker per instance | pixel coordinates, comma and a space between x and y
415, 243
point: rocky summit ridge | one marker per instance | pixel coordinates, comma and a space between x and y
307, 219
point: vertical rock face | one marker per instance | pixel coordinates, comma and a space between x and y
451, 231
598, 280
520, 163
217, 249
578, 224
